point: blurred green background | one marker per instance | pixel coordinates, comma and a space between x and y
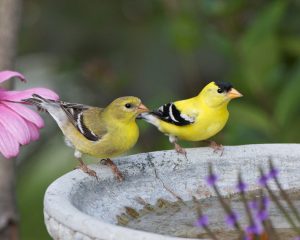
159, 50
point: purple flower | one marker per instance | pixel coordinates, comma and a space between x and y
202, 221
253, 204
262, 215
263, 180
211, 179
297, 238
241, 186
265, 202
231, 219
247, 237
273, 173
255, 229
261, 212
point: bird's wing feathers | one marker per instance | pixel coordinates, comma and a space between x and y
73, 110
93, 120
77, 115
170, 113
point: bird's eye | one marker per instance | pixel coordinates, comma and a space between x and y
220, 90
128, 105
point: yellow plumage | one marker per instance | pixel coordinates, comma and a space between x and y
208, 121
117, 134
98, 132
197, 118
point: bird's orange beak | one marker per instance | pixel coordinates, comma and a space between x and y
142, 108
233, 93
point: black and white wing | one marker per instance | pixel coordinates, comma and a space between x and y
74, 112
170, 113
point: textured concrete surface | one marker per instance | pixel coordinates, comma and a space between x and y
77, 206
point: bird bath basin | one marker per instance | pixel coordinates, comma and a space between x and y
77, 206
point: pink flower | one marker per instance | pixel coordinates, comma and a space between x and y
18, 124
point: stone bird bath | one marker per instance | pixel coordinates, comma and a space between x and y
79, 207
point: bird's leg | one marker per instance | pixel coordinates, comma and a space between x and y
83, 166
178, 148
114, 168
86, 169
216, 147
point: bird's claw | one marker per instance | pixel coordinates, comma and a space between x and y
114, 168
119, 176
87, 170
217, 147
179, 149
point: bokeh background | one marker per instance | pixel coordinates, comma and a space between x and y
159, 50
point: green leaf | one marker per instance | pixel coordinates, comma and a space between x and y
185, 33
220, 8
291, 132
253, 118
288, 100
266, 23
259, 48
291, 45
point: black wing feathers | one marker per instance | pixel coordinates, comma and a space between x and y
169, 113
75, 114
83, 128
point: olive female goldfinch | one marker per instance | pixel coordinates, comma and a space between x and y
99, 132
197, 118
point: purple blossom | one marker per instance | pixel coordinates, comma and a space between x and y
265, 202
247, 237
241, 186
263, 180
231, 219
273, 173
255, 229
202, 221
253, 204
297, 238
211, 179
262, 215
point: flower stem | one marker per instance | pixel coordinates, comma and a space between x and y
285, 195
280, 207
226, 206
200, 214
246, 206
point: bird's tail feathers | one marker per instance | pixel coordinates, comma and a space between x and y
52, 107
149, 117
41, 103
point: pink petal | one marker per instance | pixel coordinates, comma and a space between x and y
6, 75
15, 125
9, 147
34, 131
26, 113
20, 95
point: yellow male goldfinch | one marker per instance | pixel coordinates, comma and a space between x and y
98, 132
197, 118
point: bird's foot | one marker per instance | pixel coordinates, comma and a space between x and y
179, 149
216, 147
82, 166
114, 169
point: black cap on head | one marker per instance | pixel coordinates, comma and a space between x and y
224, 86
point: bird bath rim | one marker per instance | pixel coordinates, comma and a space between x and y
65, 219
